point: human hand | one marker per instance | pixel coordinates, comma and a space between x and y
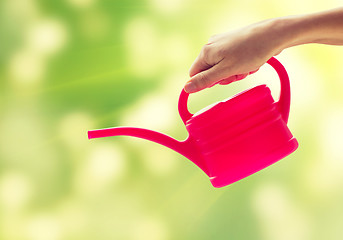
232, 56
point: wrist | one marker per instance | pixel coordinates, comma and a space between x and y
278, 34
324, 28
292, 31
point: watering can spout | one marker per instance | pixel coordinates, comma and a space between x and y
187, 147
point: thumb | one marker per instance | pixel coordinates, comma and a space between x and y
206, 79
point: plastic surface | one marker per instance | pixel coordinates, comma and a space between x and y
234, 138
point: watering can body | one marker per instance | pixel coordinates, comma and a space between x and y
232, 139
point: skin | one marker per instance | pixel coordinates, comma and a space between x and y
231, 56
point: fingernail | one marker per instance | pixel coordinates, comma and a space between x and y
190, 87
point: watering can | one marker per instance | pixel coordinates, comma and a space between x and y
233, 138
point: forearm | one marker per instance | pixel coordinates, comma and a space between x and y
323, 27
233, 55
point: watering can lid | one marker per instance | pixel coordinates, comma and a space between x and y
235, 104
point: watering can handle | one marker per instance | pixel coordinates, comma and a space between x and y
283, 103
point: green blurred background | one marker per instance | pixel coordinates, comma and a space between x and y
74, 65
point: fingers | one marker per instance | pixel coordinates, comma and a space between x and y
233, 79
208, 57
198, 66
205, 79
202, 79
236, 78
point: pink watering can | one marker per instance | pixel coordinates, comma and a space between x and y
234, 138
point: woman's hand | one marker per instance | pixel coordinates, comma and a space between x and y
232, 56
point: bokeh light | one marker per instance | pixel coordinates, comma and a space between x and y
75, 65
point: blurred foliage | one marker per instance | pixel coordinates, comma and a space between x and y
74, 65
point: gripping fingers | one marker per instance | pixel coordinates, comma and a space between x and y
204, 79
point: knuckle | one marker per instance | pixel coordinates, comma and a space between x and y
212, 53
218, 37
196, 84
221, 52
203, 80
213, 38
206, 51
